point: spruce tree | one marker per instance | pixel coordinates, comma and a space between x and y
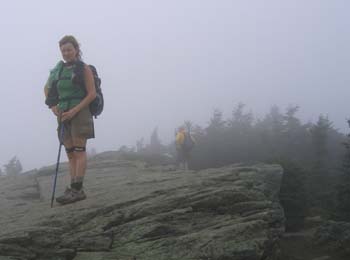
320, 193
13, 167
343, 191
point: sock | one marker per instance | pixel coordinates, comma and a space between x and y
77, 185
72, 181
77, 182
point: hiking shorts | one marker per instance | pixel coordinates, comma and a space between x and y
80, 126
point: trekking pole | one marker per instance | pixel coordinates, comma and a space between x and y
61, 133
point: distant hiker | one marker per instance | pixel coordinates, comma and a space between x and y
184, 145
69, 94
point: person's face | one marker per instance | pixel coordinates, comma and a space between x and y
69, 53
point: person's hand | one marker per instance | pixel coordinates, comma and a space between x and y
54, 110
69, 114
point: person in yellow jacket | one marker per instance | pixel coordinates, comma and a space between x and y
180, 137
184, 144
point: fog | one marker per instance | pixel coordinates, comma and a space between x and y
163, 62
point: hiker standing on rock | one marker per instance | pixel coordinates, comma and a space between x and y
184, 145
69, 102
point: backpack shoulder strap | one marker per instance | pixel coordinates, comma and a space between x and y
79, 73
79, 68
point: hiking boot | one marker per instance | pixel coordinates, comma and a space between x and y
65, 194
79, 195
72, 196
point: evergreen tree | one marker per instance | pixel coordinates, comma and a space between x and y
241, 120
343, 191
319, 135
270, 131
320, 194
293, 194
211, 143
155, 144
216, 122
198, 132
13, 167
296, 143
140, 145
241, 139
188, 126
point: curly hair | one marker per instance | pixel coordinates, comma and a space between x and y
71, 39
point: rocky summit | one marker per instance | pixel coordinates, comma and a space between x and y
134, 211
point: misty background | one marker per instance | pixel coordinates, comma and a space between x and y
163, 62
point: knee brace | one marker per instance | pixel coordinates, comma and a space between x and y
79, 149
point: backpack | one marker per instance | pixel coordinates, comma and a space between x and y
96, 106
188, 143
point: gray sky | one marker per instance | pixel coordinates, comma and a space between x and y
162, 62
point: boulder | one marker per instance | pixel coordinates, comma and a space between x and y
138, 212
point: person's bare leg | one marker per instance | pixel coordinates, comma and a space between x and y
77, 164
178, 160
80, 160
69, 179
68, 144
